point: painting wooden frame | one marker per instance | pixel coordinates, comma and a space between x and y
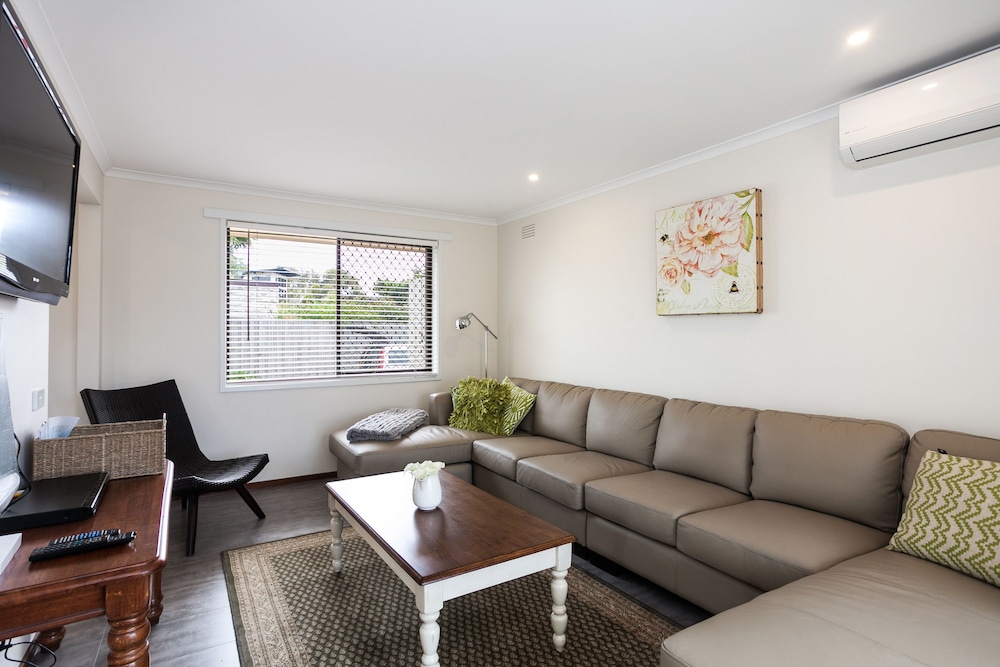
709, 256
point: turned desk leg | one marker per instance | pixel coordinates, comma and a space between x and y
52, 638
156, 598
127, 608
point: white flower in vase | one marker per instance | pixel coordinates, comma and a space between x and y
424, 469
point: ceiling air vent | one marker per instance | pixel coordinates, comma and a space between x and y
527, 231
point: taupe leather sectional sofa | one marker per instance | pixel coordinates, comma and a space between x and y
775, 521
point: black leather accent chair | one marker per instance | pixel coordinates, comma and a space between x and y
194, 473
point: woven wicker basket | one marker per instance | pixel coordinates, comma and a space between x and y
124, 449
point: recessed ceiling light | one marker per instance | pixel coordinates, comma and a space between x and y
533, 178
859, 37
928, 86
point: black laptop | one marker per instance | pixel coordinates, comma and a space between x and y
56, 500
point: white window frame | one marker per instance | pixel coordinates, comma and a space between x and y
278, 224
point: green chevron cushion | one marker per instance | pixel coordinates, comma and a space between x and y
952, 516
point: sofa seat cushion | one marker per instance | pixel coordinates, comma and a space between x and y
651, 503
372, 457
881, 608
502, 454
768, 544
562, 477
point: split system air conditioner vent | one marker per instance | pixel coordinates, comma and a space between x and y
954, 105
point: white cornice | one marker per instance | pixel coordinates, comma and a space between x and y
326, 225
295, 196
771, 132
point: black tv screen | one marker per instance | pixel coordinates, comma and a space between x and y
39, 154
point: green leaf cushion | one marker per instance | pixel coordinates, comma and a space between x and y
479, 405
952, 516
520, 403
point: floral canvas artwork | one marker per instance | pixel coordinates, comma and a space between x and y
708, 256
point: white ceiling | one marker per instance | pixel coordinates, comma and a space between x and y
448, 105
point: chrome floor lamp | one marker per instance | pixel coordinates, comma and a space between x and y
465, 321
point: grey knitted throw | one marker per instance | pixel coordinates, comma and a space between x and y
388, 424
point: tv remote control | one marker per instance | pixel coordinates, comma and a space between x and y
83, 536
80, 546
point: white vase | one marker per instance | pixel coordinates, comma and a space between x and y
427, 492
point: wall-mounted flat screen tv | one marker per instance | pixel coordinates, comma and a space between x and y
39, 154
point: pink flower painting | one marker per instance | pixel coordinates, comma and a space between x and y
709, 256
672, 271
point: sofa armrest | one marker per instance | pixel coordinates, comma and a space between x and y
440, 407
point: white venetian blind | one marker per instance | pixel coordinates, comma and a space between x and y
302, 306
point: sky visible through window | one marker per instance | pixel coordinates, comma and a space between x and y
318, 257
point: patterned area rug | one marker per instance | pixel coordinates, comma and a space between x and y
291, 609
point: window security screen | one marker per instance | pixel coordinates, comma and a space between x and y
305, 307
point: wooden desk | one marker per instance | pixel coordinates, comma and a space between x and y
122, 583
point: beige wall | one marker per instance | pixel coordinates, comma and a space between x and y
880, 288
25, 326
74, 332
159, 282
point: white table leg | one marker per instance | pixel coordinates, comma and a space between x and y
430, 601
559, 617
337, 543
430, 635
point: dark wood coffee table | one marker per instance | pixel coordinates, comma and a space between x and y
470, 542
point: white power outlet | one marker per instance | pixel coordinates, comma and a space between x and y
37, 399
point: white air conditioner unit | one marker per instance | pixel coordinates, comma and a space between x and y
957, 104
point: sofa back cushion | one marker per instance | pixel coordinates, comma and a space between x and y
560, 412
849, 468
530, 386
710, 442
624, 424
439, 408
950, 442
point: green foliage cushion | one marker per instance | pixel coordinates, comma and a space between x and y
518, 406
479, 405
952, 515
